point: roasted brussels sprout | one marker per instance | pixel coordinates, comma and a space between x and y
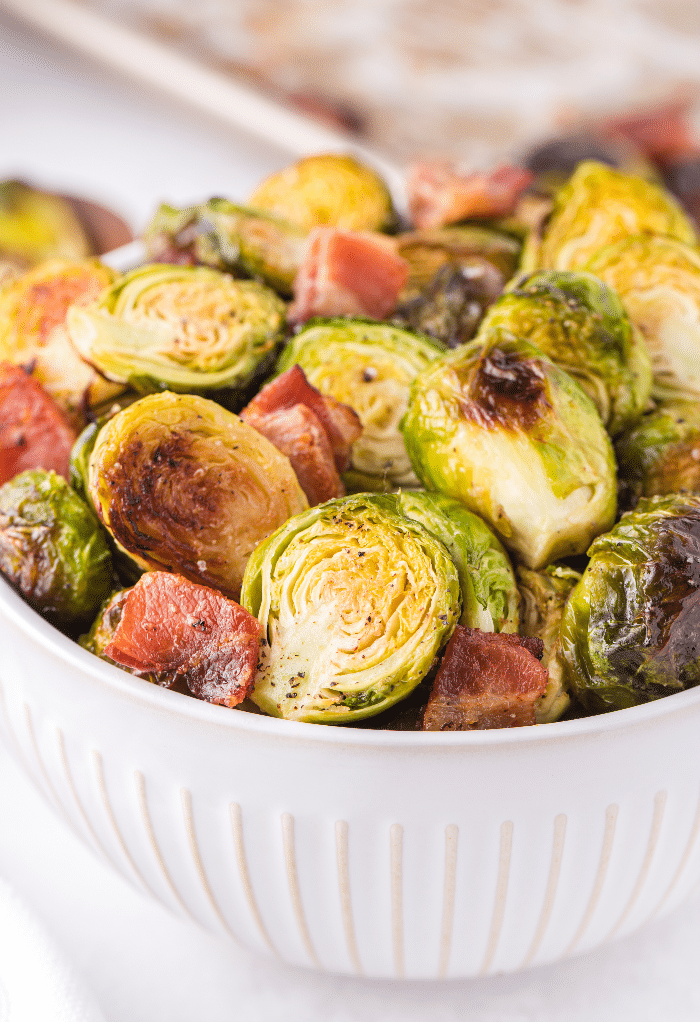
225, 236
500, 427
355, 600
369, 366
329, 189
33, 330
598, 206
104, 626
183, 485
36, 226
451, 307
661, 454
580, 323
658, 281
182, 328
490, 598
544, 595
631, 629
483, 252
52, 548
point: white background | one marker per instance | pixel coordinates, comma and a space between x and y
66, 124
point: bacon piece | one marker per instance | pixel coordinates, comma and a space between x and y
486, 680
34, 432
662, 133
340, 422
438, 195
175, 627
347, 273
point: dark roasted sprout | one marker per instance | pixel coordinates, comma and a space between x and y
661, 453
452, 305
226, 236
500, 427
369, 366
183, 485
580, 323
182, 328
52, 548
355, 601
631, 629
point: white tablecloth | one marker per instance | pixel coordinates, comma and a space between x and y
69, 125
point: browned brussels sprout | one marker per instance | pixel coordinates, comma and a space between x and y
631, 629
183, 485
329, 189
52, 548
661, 454
33, 331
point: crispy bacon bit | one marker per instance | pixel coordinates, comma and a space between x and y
315, 432
486, 680
171, 626
347, 273
662, 133
439, 195
34, 432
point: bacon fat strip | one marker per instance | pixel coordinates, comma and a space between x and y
438, 195
170, 625
486, 680
34, 432
347, 273
341, 422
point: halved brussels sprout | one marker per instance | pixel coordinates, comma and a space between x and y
544, 595
661, 454
631, 629
355, 601
490, 598
478, 249
182, 328
36, 226
329, 189
504, 430
183, 485
33, 330
52, 548
104, 626
369, 366
658, 281
225, 236
599, 206
580, 323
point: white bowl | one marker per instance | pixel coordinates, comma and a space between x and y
391, 854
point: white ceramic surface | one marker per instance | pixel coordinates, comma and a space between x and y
390, 854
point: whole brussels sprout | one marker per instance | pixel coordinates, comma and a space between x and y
369, 366
355, 601
52, 548
182, 328
631, 629
544, 595
183, 485
580, 323
490, 598
327, 190
36, 226
599, 206
661, 454
33, 331
220, 234
501, 428
658, 281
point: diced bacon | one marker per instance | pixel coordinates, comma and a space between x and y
661, 133
297, 433
340, 422
34, 432
439, 195
347, 273
175, 627
486, 680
